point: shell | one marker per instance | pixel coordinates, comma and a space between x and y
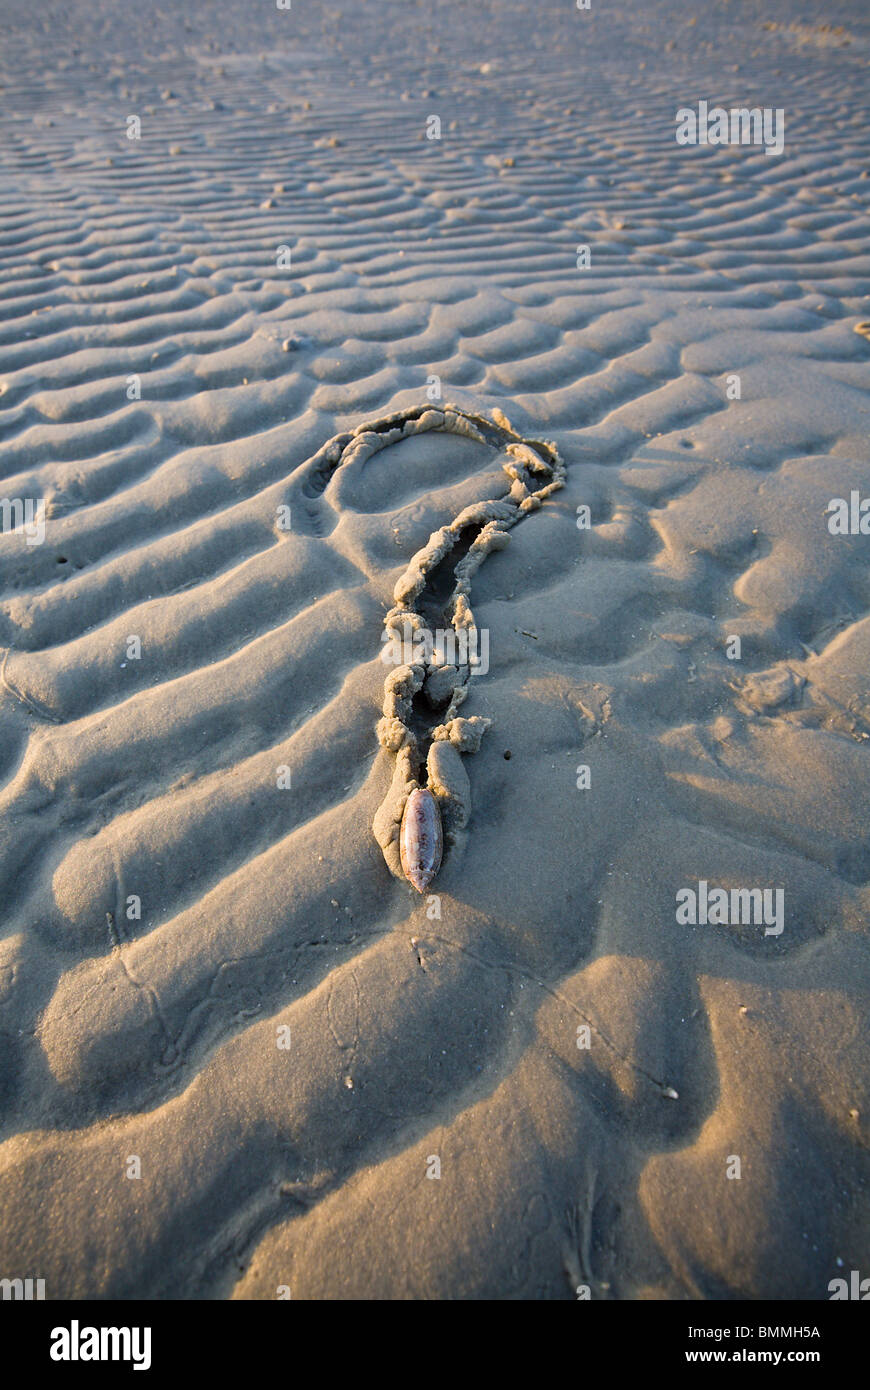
421, 840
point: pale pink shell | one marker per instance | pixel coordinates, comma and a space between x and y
420, 839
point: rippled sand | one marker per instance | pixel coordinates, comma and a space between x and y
431, 1035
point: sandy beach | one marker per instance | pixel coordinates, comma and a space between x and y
618, 1048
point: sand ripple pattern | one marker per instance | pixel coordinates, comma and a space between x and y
213, 973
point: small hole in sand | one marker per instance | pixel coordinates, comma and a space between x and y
507, 755
61, 559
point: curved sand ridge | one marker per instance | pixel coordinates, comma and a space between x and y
285, 1037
